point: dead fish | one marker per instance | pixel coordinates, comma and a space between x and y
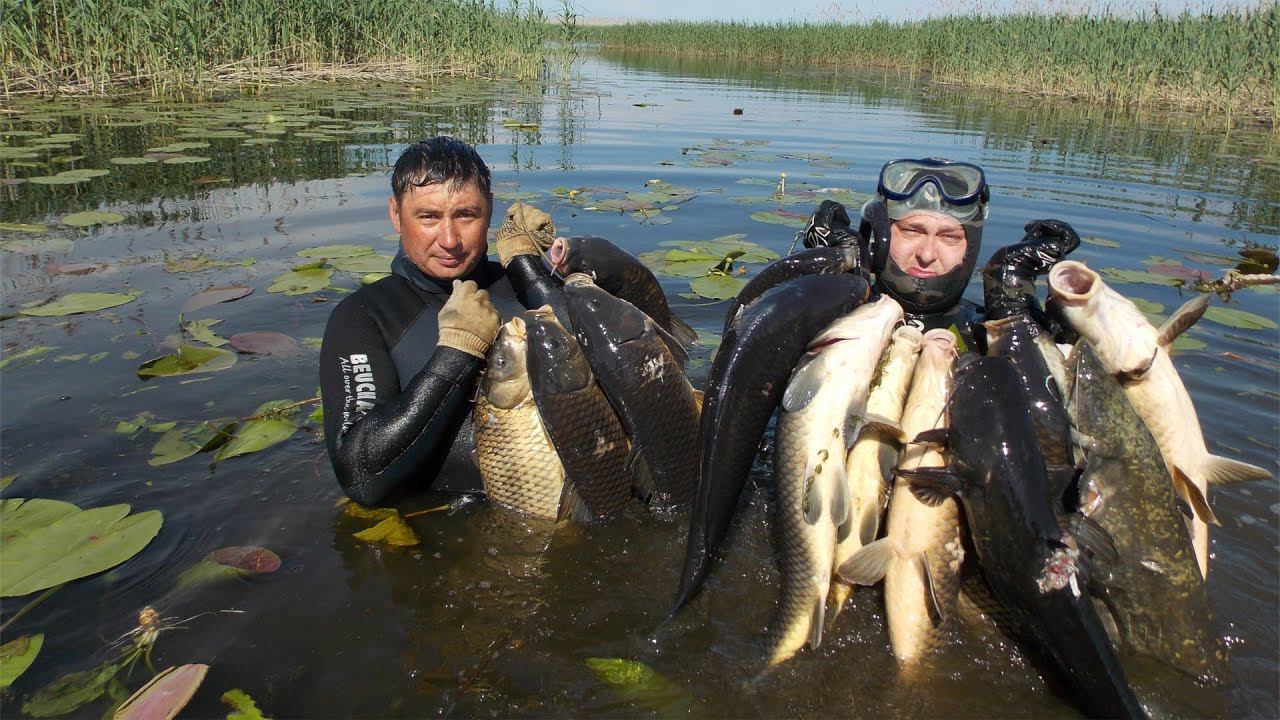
870, 462
920, 556
577, 417
823, 410
812, 261
1138, 354
518, 463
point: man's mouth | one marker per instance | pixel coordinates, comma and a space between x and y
448, 261
921, 273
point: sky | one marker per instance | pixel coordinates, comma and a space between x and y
848, 10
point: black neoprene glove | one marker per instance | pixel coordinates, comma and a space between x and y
1009, 279
829, 225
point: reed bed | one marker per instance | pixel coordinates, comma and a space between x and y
1224, 63
165, 46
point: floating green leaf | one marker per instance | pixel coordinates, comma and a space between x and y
1233, 317
23, 228
180, 443
201, 331
68, 177
718, 286
27, 354
165, 695
1119, 275
781, 217
185, 159
362, 264
189, 359
70, 691
1146, 306
1100, 242
373, 277
336, 251
243, 706
300, 282
131, 160
75, 303
91, 217
636, 682
17, 655
49, 542
7, 480
273, 423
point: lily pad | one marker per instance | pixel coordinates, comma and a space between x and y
718, 286
131, 160
165, 695
213, 296
271, 425
68, 177
70, 692
202, 331
1119, 275
180, 443
1236, 318
1100, 242
23, 228
91, 217
249, 558
23, 355
76, 303
189, 359
781, 217
264, 342
362, 264
391, 531
300, 282
373, 277
243, 707
185, 159
17, 655
49, 542
336, 251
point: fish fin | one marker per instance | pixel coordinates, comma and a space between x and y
699, 398
931, 485
1188, 491
572, 506
869, 525
936, 615
868, 565
638, 470
677, 349
1182, 319
681, 331
1220, 470
936, 436
816, 622
811, 504
805, 383
1092, 537
887, 428
841, 507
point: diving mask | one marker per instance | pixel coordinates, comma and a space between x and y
957, 189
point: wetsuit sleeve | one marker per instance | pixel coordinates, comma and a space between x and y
1009, 279
535, 286
380, 436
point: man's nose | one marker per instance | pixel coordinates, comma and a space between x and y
927, 252
449, 238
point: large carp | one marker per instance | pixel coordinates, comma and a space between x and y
582, 425
870, 462
622, 275
813, 261
746, 383
645, 385
920, 556
1138, 354
518, 464
1033, 565
823, 410
1153, 588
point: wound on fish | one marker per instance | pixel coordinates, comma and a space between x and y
1059, 571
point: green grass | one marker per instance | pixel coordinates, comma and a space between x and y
1226, 63
178, 45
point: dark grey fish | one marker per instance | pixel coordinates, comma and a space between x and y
814, 261
1153, 588
1035, 567
579, 420
645, 385
622, 275
748, 377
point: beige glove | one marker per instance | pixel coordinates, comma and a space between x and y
526, 231
468, 321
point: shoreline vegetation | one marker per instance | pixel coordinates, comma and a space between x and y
1225, 64
106, 47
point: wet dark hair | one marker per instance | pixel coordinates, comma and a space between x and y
441, 159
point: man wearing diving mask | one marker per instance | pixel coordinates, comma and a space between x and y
920, 237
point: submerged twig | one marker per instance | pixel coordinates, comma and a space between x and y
1233, 280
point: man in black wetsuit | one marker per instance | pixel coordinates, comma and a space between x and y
400, 357
920, 236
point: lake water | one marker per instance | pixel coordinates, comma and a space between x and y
482, 618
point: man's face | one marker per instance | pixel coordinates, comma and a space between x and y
443, 227
926, 244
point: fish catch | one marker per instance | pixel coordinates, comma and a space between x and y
1153, 588
518, 464
1036, 568
645, 385
870, 462
622, 275
813, 261
823, 410
920, 556
746, 383
1138, 354
581, 424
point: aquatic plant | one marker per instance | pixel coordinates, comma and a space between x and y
1223, 62
180, 45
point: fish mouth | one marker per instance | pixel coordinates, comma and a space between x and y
516, 328
1073, 283
940, 337
559, 254
578, 279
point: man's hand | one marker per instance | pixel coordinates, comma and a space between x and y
1009, 280
829, 225
525, 231
1045, 243
468, 321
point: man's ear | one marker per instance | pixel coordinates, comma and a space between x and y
393, 209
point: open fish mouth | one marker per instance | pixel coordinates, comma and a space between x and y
559, 254
1073, 283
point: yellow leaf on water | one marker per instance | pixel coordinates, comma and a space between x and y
392, 531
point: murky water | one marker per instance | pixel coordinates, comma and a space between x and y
482, 618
